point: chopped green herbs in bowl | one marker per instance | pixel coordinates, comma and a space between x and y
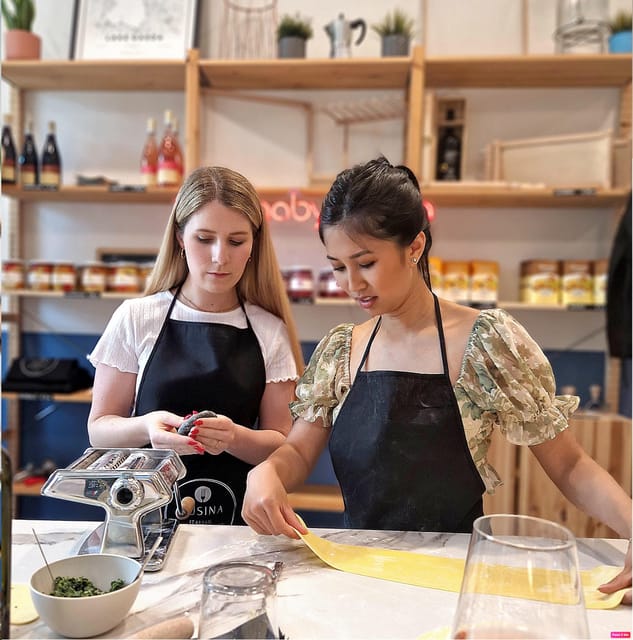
65, 587
90, 595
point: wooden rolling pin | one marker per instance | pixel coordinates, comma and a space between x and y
176, 628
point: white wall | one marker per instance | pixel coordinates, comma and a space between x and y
102, 133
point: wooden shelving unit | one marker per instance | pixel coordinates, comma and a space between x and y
326, 73
531, 71
94, 75
85, 395
91, 194
411, 75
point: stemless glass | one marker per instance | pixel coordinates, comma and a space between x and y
238, 601
521, 580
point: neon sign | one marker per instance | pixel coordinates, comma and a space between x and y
301, 210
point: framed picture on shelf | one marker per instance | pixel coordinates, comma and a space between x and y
134, 30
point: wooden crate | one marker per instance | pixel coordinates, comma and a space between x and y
577, 160
622, 163
504, 457
607, 439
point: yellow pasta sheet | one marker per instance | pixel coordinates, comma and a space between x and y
446, 574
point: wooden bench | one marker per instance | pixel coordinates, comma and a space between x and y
317, 497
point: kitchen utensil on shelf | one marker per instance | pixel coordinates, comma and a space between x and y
340, 32
521, 580
132, 485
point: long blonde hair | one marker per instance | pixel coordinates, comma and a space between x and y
261, 283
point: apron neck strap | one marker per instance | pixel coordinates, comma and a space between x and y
440, 331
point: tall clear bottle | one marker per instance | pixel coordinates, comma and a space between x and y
5, 551
169, 171
149, 157
9, 157
29, 168
51, 175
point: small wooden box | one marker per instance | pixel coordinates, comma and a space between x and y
577, 160
622, 163
436, 110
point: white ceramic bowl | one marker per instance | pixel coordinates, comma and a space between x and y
92, 615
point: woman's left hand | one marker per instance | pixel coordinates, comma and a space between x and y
621, 581
214, 434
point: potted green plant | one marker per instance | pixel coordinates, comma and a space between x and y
620, 26
19, 42
395, 30
293, 32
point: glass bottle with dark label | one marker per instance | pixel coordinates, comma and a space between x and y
29, 169
9, 157
169, 171
149, 157
449, 151
51, 175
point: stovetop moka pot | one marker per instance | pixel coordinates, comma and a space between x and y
340, 33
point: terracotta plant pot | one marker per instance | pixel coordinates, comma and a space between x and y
21, 45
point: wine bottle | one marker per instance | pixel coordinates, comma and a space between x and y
7, 498
179, 158
29, 169
149, 157
169, 173
449, 152
8, 152
51, 175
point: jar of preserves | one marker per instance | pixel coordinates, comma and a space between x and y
124, 277
540, 281
300, 287
12, 274
328, 287
93, 277
39, 275
64, 276
144, 272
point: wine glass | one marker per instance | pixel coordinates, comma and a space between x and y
521, 580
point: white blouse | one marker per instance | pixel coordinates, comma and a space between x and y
131, 333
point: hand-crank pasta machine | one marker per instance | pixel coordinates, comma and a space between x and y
132, 485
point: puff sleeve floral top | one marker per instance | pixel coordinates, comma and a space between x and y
505, 382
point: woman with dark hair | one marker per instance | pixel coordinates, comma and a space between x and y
408, 400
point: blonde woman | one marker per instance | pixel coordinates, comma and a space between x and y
212, 332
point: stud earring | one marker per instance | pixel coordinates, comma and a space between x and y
414, 260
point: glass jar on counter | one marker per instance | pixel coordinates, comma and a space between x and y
39, 275
145, 271
93, 277
328, 287
64, 276
123, 277
300, 284
12, 274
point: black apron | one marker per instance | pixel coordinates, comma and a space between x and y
197, 366
400, 454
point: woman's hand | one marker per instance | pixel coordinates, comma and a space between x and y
266, 508
214, 434
621, 581
161, 429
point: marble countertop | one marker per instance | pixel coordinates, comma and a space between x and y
314, 600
